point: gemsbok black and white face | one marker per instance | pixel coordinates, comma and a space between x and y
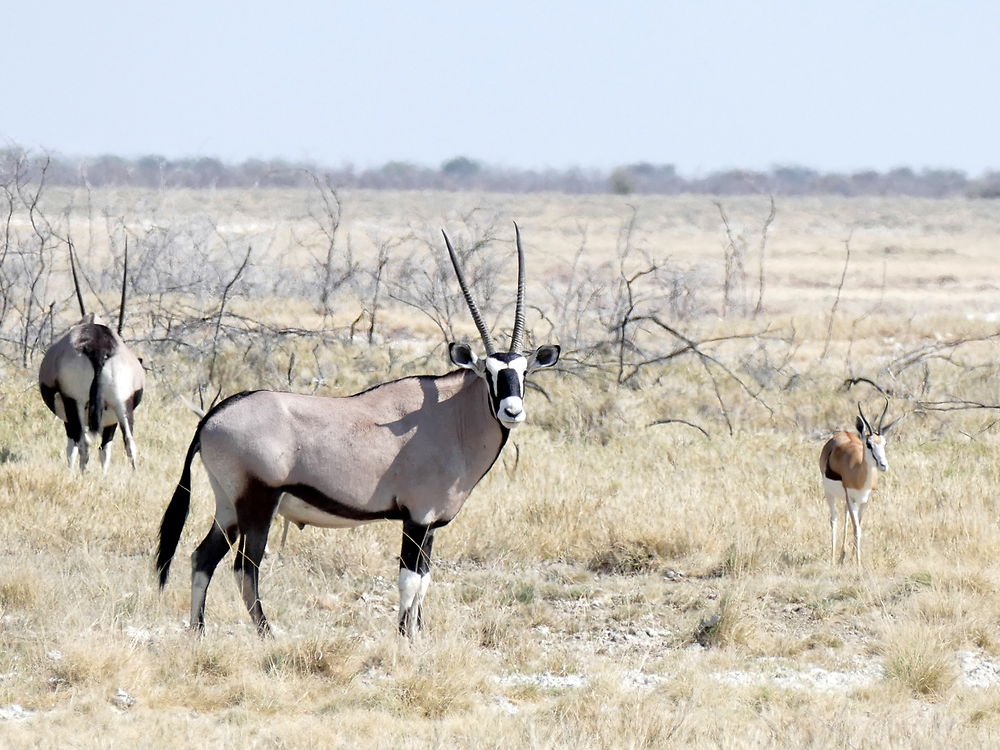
505, 375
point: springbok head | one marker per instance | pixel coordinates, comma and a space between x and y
874, 439
504, 372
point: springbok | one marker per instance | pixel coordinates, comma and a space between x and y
409, 450
92, 382
850, 465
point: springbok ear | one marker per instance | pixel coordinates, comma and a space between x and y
889, 426
859, 425
463, 356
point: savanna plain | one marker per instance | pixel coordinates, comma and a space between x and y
648, 564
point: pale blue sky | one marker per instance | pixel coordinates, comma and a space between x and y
704, 85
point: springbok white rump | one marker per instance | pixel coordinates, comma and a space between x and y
850, 465
409, 450
92, 381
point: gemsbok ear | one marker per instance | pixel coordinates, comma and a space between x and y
463, 356
544, 356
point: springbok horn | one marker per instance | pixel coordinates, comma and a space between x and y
76, 281
476, 317
882, 418
121, 308
518, 333
868, 425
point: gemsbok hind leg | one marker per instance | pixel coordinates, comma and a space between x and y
74, 429
414, 576
220, 539
254, 510
123, 412
204, 560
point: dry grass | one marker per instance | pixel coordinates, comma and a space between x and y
619, 585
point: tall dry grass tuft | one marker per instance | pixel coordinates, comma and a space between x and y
437, 679
735, 623
919, 657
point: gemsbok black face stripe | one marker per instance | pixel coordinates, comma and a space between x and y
411, 449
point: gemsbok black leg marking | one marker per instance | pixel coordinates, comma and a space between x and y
254, 510
204, 561
414, 575
107, 435
74, 428
73, 425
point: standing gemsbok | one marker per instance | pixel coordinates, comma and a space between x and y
92, 382
850, 465
410, 450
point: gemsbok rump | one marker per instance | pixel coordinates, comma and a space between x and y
409, 450
850, 464
92, 381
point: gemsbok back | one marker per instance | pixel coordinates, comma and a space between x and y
409, 450
850, 464
92, 382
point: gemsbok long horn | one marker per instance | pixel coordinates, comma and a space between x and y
410, 450
518, 333
76, 281
121, 307
477, 318
92, 381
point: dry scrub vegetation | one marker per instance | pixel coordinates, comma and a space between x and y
647, 565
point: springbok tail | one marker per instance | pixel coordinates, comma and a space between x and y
176, 514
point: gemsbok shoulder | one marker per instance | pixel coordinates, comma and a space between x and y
850, 464
92, 381
409, 450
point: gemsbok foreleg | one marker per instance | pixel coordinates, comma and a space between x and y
414, 575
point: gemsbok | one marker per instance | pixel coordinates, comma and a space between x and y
409, 450
92, 381
850, 464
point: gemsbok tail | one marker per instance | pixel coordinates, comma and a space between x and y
95, 406
97, 344
176, 513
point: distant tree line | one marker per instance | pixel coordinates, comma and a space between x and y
463, 173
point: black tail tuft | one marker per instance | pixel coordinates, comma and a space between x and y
95, 406
98, 344
176, 514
